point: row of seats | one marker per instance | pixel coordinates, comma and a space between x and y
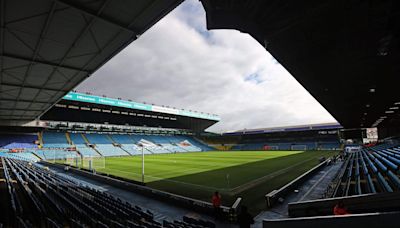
288, 146
54, 154
82, 146
55, 145
86, 151
12, 141
38, 197
120, 145
133, 149
55, 140
25, 156
110, 150
371, 170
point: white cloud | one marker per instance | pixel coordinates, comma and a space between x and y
178, 63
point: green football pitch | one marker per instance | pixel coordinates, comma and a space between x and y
246, 174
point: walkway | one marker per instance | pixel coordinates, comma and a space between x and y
314, 188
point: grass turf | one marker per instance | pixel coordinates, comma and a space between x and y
248, 174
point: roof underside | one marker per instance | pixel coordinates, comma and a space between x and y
74, 111
48, 47
345, 53
322, 126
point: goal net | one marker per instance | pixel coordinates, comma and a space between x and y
73, 160
299, 147
94, 163
59, 156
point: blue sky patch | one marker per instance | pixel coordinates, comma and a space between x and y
255, 78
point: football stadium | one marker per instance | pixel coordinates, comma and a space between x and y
76, 159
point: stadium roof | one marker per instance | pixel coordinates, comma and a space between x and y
48, 47
345, 53
88, 98
87, 108
322, 126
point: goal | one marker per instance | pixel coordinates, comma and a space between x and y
59, 156
73, 160
298, 147
94, 163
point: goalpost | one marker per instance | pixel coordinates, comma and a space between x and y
73, 160
299, 147
60, 156
94, 162
51, 155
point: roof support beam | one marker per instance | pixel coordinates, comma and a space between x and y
20, 109
30, 117
2, 25
82, 34
37, 49
34, 87
11, 56
23, 100
95, 15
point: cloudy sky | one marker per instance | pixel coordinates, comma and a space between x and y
180, 64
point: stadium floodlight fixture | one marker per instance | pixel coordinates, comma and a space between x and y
372, 90
367, 105
383, 117
389, 111
397, 103
394, 108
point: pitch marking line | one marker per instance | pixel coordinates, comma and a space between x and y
260, 180
231, 191
174, 181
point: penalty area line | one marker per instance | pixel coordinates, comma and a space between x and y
174, 181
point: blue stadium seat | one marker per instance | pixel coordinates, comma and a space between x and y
12, 141
55, 140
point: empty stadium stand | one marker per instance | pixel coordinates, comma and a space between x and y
104, 145
54, 154
371, 170
293, 145
127, 143
25, 156
367, 184
33, 196
63, 145
54, 140
196, 143
11, 141
82, 146
307, 137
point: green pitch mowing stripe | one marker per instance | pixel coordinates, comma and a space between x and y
168, 166
249, 174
